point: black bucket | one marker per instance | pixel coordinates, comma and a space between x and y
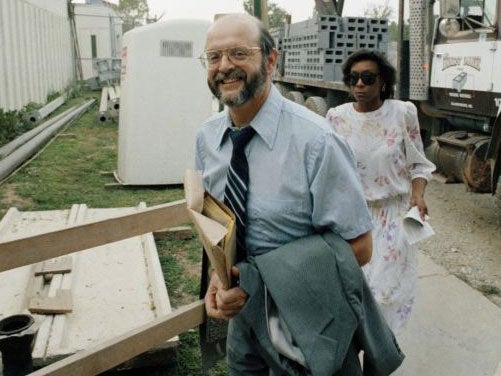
16, 342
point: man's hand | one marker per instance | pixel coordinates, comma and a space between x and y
362, 248
221, 303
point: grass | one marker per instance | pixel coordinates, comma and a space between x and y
69, 171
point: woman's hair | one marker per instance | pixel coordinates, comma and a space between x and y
386, 70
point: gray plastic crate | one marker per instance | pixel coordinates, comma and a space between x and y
317, 48
354, 25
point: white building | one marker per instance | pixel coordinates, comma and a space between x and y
41, 49
36, 51
99, 33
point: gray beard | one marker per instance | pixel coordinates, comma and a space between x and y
250, 90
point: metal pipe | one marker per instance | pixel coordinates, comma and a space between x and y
43, 112
113, 102
14, 144
17, 157
102, 114
103, 104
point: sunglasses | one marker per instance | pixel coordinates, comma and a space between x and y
368, 78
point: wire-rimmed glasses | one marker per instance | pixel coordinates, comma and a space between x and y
237, 55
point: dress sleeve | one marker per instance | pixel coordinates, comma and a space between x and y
417, 163
331, 115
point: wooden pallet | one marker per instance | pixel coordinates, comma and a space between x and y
94, 295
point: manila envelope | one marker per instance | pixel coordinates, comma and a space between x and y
215, 224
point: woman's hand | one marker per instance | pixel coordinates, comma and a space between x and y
417, 197
421, 204
221, 303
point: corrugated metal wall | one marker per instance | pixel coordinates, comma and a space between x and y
36, 53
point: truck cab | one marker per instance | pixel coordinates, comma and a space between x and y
456, 81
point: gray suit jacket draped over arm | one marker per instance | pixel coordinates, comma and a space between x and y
323, 297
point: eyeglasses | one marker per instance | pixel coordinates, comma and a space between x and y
368, 78
237, 55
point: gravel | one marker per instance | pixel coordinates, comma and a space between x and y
468, 235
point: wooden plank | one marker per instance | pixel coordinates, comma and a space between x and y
107, 173
159, 293
43, 335
61, 303
174, 233
114, 352
54, 342
52, 328
36, 289
57, 266
41, 247
9, 217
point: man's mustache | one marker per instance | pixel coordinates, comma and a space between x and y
233, 74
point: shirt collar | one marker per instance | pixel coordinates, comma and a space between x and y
265, 122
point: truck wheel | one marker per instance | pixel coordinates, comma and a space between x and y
295, 96
317, 105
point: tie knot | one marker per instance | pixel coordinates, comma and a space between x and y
242, 137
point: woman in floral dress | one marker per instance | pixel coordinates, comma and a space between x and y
384, 135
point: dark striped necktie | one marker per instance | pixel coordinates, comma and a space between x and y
235, 193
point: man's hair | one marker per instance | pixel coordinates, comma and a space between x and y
386, 70
266, 40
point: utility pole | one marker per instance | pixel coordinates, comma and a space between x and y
261, 11
74, 37
400, 41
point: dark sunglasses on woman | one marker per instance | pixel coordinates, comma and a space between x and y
368, 78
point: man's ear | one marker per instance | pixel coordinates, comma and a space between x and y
272, 60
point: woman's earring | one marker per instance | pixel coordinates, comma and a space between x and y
383, 88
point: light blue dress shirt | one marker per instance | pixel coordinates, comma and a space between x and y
302, 175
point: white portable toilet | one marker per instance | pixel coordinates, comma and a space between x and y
164, 99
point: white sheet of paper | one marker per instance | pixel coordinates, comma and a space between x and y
415, 228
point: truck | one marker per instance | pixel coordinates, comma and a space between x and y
447, 68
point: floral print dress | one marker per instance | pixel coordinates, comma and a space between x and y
389, 153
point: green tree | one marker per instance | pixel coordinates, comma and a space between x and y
276, 15
132, 12
394, 31
384, 11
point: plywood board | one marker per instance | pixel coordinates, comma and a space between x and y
116, 287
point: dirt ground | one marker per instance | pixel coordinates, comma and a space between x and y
468, 235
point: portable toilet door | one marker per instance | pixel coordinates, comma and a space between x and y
164, 100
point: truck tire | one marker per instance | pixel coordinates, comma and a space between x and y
317, 104
295, 96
